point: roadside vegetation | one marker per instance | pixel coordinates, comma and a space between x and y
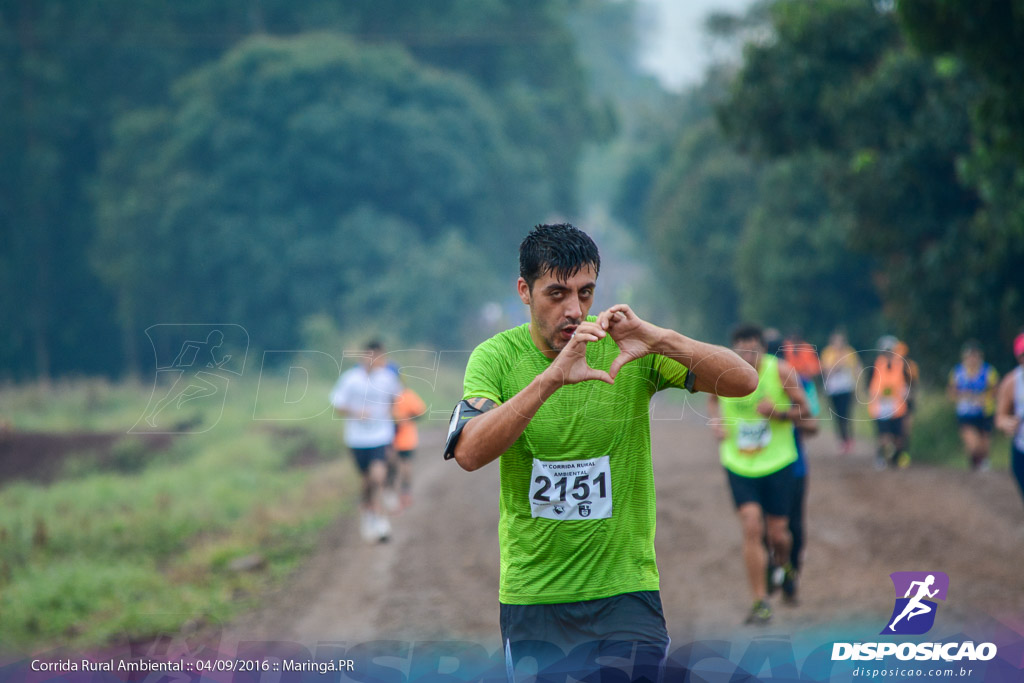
129, 543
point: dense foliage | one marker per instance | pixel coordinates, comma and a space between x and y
301, 175
232, 162
368, 166
871, 186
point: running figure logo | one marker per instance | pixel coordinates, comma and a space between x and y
914, 613
191, 385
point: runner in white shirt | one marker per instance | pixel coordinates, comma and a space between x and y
364, 396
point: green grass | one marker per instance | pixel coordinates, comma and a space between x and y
104, 556
935, 436
70, 405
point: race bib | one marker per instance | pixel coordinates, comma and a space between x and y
886, 408
571, 489
839, 381
971, 405
752, 437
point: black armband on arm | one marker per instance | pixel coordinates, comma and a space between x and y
690, 382
463, 413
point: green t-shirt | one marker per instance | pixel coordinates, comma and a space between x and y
756, 446
577, 498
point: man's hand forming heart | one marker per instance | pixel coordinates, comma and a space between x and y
570, 365
636, 338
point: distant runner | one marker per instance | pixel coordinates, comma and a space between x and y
972, 388
758, 450
577, 501
840, 368
1010, 411
364, 395
914, 374
889, 383
408, 408
779, 576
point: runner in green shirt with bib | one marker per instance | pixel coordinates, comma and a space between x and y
758, 450
564, 401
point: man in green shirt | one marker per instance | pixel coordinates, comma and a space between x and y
564, 401
759, 453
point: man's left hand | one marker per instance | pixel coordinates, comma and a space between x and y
635, 337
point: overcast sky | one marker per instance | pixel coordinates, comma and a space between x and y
676, 50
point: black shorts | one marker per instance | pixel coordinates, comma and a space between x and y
627, 629
366, 456
983, 423
893, 426
406, 455
773, 492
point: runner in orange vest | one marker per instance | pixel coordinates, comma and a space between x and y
801, 356
888, 391
407, 408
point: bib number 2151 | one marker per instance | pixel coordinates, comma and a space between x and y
571, 489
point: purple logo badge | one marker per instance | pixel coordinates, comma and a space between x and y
916, 592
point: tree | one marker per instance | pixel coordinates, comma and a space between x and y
794, 268
784, 96
836, 78
986, 36
695, 215
291, 175
69, 68
522, 53
72, 68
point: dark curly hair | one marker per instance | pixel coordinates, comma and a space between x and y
561, 249
746, 332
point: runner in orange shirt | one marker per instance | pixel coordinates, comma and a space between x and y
889, 383
408, 407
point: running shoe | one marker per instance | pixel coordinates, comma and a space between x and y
760, 613
789, 585
368, 526
776, 576
903, 460
769, 577
881, 463
382, 529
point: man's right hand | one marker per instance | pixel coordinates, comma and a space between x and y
570, 365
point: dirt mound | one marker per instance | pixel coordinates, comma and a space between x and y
43, 456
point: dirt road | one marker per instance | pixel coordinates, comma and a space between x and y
437, 578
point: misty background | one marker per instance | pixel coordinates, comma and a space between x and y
320, 172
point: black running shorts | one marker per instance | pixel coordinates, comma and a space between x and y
625, 631
773, 492
893, 426
364, 457
983, 423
